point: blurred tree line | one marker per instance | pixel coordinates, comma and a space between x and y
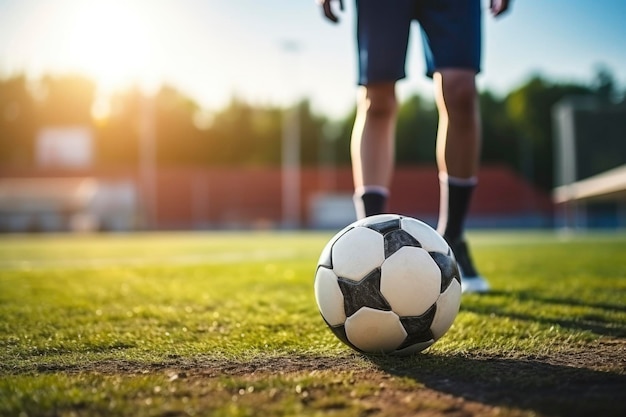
517, 128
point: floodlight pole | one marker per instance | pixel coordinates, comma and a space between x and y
147, 161
326, 157
290, 172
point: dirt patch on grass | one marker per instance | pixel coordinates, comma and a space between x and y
569, 383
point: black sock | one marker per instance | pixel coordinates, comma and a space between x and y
455, 207
370, 203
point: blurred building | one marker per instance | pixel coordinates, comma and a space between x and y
62, 193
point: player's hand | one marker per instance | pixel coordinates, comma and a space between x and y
499, 6
328, 10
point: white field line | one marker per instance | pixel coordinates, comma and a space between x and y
191, 259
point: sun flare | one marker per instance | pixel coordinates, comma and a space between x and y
112, 42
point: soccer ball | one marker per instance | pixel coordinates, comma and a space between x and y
388, 284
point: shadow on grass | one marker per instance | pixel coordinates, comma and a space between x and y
595, 323
545, 388
535, 296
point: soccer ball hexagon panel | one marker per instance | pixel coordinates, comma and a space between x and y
388, 284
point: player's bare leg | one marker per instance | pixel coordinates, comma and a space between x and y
372, 147
458, 153
458, 140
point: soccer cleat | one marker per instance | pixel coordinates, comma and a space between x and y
471, 280
475, 284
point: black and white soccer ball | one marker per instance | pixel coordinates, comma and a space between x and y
388, 284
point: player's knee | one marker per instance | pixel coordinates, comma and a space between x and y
378, 101
381, 106
460, 96
382, 109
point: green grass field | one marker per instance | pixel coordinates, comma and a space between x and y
226, 324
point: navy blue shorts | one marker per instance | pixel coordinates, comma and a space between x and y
451, 35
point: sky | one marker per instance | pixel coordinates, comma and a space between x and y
274, 52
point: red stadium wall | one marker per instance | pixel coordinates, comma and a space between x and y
189, 198
252, 196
